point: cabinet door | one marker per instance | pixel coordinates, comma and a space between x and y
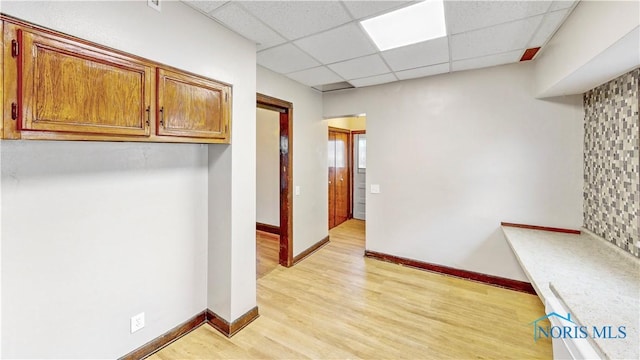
191, 106
66, 86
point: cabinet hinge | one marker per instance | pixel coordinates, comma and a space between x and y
14, 111
15, 49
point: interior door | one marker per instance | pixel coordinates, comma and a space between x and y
339, 184
359, 175
342, 178
331, 151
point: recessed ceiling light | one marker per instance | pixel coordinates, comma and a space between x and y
409, 25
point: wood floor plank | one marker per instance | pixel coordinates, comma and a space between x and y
336, 304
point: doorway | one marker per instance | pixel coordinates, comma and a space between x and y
347, 166
284, 110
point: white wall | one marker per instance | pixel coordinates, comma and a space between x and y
310, 213
456, 154
267, 167
598, 42
93, 233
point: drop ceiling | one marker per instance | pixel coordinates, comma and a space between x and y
322, 44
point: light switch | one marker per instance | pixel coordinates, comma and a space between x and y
375, 188
297, 190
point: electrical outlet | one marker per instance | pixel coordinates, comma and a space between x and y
137, 322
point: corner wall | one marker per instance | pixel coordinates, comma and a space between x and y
456, 154
96, 232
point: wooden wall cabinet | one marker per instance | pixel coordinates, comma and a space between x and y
61, 88
191, 106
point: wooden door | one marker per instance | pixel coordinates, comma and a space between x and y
68, 86
338, 162
342, 178
192, 106
331, 150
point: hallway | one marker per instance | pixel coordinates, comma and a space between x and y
337, 304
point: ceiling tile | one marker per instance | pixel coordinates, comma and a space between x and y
360, 67
559, 5
423, 71
548, 27
296, 19
285, 59
316, 76
240, 21
486, 61
374, 80
422, 54
205, 6
345, 42
494, 40
362, 9
464, 16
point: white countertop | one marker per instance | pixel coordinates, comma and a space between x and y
598, 282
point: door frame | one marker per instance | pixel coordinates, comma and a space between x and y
285, 109
349, 166
352, 176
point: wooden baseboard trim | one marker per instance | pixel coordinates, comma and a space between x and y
543, 228
167, 338
315, 247
497, 281
272, 229
230, 329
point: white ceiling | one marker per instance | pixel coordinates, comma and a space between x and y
321, 42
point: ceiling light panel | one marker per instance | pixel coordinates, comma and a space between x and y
240, 21
285, 59
374, 80
342, 43
494, 40
423, 71
549, 25
430, 52
362, 9
486, 61
409, 25
360, 67
465, 16
296, 19
316, 76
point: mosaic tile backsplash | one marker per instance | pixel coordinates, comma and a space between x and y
612, 161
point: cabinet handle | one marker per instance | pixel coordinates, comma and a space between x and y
148, 115
162, 116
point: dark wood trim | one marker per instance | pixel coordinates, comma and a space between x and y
271, 229
543, 228
315, 247
230, 329
497, 281
358, 132
166, 338
285, 109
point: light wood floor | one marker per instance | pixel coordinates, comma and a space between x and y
267, 246
336, 305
